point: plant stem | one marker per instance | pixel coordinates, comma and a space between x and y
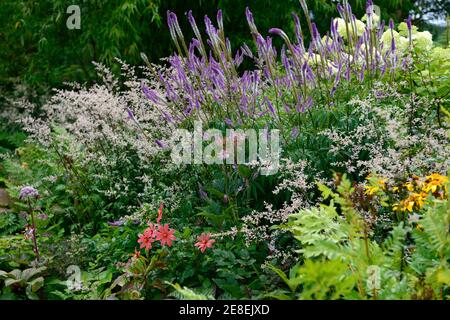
33, 225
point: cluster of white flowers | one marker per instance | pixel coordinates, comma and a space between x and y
104, 128
410, 141
258, 226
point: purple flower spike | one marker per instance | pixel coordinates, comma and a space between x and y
160, 143
298, 27
117, 223
260, 42
210, 29
369, 9
251, 21
269, 104
276, 31
393, 45
191, 18
247, 51
173, 18
408, 23
391, 24
220, 19
42, 216
347, 73
150, 94
315, 32
309, 102
202, 192
249, 16
340, 9
28, 192
334, 26
131, 115
169, 19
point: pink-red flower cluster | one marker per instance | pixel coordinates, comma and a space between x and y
157, 232
165, 235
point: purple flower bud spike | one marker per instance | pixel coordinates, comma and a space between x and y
391, 24
408, 23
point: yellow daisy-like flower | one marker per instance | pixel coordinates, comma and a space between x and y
409, 206
418, 199
376, 184
434, 181
415, 200
371, 189
409, 186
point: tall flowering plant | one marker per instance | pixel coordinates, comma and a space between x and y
157, 232
205, 84
29, 194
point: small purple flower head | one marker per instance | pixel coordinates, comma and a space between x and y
294, 132
28, 192
42, 216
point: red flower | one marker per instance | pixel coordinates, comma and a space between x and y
147, 237
151, 230
165, 235
204, 241
158, 220
145, 240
